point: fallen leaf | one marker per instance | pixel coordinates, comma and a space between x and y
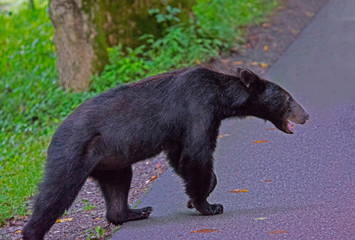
268, 180
158, 165
223, 135
224, 60
295, 31
280, 8
263, 65
152, 179
266, 25
266, 48
277, 232
97, 218
18, 231
238, 190
21, 217
204, 230
64, 220
235, 48
254, 63
246, 46
309, 14
261, 141
159, 169
260, 218
237, 63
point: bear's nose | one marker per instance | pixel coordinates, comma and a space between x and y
307, 116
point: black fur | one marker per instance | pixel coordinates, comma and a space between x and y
178, 112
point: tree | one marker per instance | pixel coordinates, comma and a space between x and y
31, 3
84, 29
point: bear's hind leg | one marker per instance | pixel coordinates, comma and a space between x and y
115, 185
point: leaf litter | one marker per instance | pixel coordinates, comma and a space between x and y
238, 191
223, 135
64, 220
261, 141
205, 230
152, 179
281, 231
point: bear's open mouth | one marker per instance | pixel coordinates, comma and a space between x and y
290, 126
287, 126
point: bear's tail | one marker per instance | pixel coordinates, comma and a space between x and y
64, 177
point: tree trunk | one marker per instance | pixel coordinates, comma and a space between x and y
84, 29
32, 5
74, 37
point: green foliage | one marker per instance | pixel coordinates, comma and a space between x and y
222, 19
99, 233
180, 47
169, 16
124, 68
32, 105
215, 27
87, 206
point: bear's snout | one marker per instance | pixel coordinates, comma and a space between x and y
298, 114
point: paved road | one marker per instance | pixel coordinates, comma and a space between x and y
312, 192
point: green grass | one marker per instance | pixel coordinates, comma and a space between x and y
87, 206
32, 105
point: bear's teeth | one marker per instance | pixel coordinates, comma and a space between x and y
290, 126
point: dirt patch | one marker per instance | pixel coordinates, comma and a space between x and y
264, 44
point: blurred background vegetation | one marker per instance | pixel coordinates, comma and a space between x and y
32, 104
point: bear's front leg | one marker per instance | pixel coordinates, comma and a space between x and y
200, 180
212, 186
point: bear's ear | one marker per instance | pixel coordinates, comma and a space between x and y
248, 78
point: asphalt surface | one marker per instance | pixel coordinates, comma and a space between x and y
309, 192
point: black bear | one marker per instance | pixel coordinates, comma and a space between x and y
179, 112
